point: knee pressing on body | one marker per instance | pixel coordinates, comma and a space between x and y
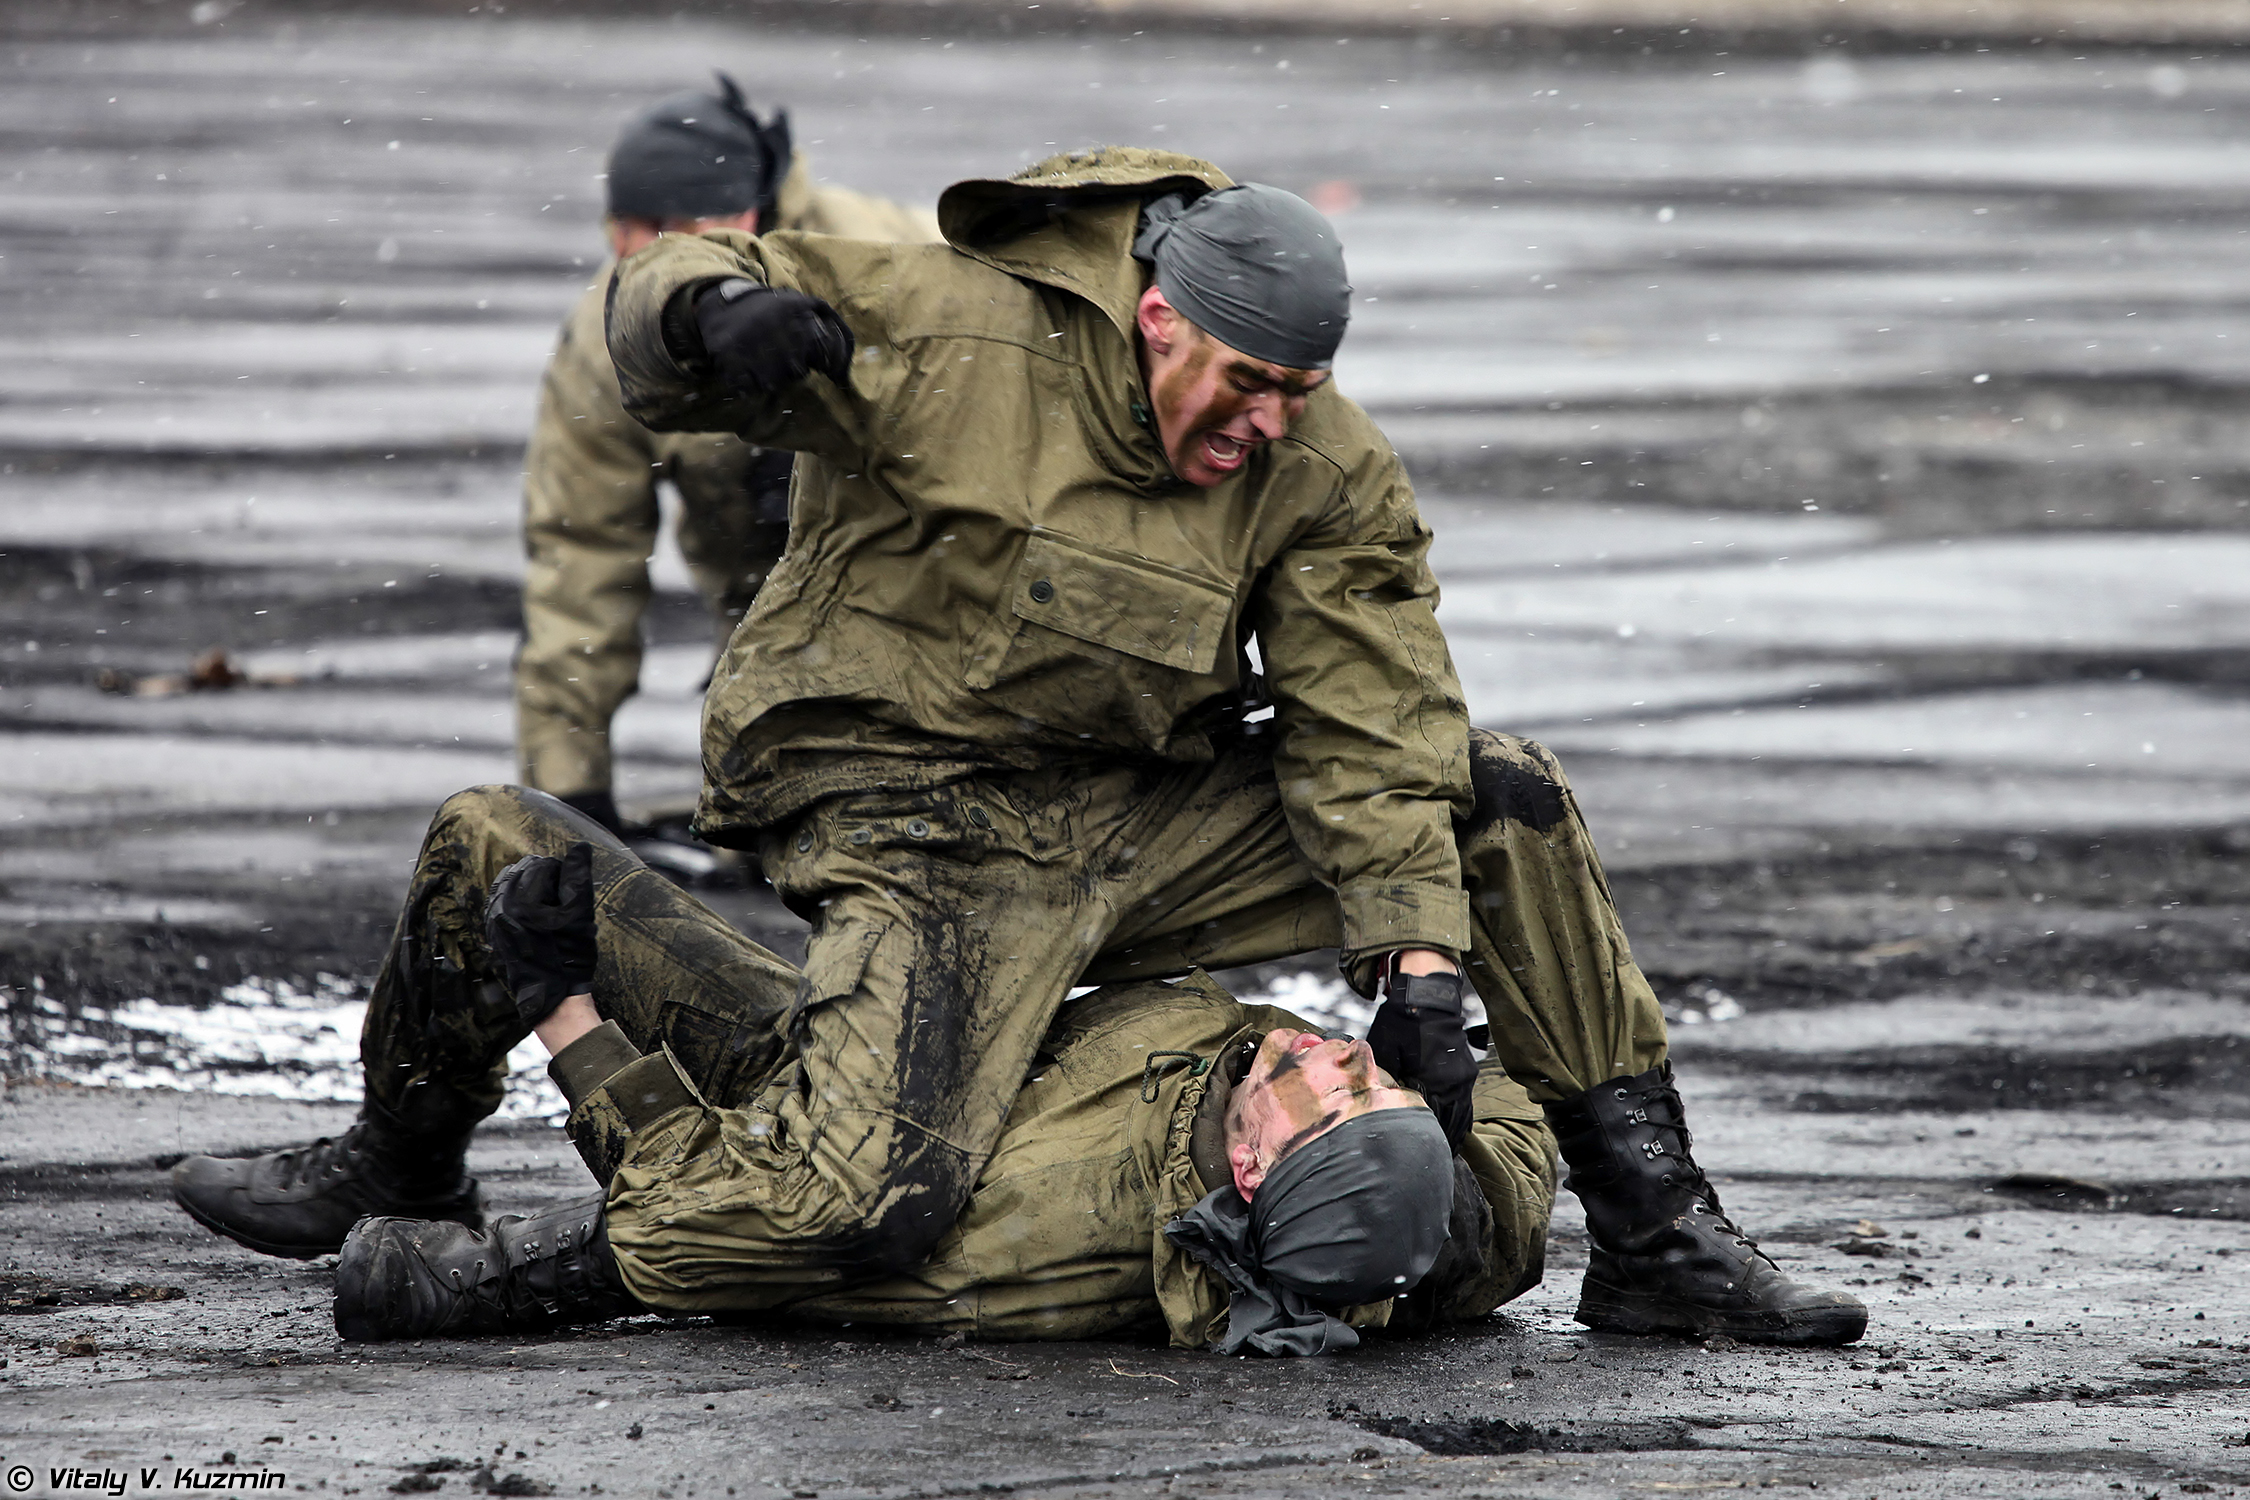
1514, 780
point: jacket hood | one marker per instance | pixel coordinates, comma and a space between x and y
1069, 221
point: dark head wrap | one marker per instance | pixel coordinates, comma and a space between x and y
698, 156
1254, 267
1352, 1216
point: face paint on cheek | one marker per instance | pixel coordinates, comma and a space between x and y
1176, 385
1305, 1111
1308, 1132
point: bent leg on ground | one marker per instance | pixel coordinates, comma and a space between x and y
1578, 1025
1568, 1006
437, 1032
951, 924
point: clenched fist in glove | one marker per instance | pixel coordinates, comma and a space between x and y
760, 339
540, 927
1419, 1040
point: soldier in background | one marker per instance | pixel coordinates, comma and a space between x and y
695, 161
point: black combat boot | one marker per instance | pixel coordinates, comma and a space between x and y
303, 1203
418, 1278
1664, 1257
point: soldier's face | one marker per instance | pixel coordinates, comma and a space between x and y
1214, 406
1300, 1085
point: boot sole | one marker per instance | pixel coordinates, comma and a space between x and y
1614, 1311
472, 1217
263, 1247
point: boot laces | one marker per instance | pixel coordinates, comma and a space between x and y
473, 1289
537, 1278
1686, 1173
326, 1157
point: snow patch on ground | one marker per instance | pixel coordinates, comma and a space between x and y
1327, 1001
269, 1038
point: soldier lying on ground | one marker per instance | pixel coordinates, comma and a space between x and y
986, 729
1151, 1104
693, 162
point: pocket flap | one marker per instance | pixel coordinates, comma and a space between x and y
1153, 613
834, 961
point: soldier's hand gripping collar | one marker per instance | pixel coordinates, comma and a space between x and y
539, 924
1353, 1216
761, 339
1418, 1037
699, 156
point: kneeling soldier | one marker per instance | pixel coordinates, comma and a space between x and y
693, 162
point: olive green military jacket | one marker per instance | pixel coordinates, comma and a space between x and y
992, 563
1109, 1141
590, 519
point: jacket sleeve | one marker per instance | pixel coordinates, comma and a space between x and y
589, 524
649, 309
1371, 733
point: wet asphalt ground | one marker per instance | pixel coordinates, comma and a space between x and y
1834, 456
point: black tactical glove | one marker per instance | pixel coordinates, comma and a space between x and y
760, 339
600, 806
540, 927
1417, 1038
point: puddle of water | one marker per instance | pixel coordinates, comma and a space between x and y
61, 779
109, 908
268, 1039
1451, 1437
1485, 538
2086, 593
2142, 728
2029, 1023
1701, 1003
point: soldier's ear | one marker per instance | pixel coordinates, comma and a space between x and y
1160, 323
1249, 1170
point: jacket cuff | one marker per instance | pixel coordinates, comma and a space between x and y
630, 1100
651, 379
586, 1064
683, 336
1380, 917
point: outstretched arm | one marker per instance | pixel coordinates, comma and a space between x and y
1372, 743
729, 332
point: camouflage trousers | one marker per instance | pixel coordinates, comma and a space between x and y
949, 925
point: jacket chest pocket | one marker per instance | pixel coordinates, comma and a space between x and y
1154, 613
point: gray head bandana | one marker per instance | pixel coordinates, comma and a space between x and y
1353, 1216
1254, 267
698, 156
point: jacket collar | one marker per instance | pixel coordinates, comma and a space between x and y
1068, 222
1207, 1138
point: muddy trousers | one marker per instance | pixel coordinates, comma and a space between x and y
841, 1114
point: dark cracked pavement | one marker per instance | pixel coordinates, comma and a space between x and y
1834, 455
